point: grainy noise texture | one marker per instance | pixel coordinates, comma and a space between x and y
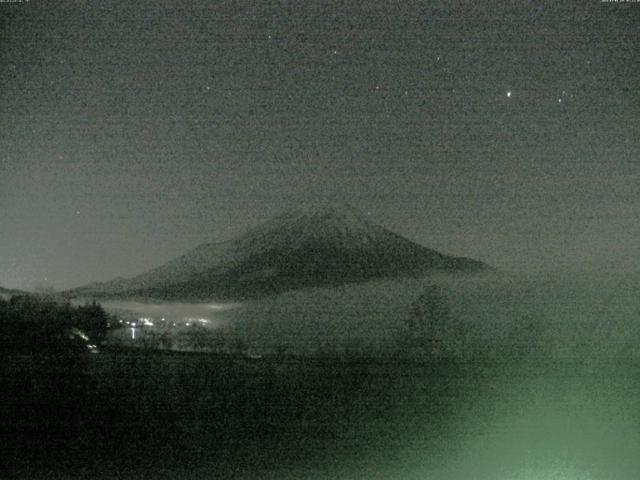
134, 131
329, 239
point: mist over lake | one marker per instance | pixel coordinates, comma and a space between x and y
214, 313
555, 314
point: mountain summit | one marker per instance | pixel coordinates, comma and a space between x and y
312, 246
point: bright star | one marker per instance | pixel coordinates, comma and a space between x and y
509, 94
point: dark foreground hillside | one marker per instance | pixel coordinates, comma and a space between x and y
143, 414
135, 413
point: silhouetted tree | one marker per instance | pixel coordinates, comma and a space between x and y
426, 322
37, 322
51, 384
93, 320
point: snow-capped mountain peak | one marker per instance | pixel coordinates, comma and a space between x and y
313, 245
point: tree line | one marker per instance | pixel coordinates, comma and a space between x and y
43, 323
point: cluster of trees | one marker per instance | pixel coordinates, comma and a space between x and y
48, 391
431, 328
37, 323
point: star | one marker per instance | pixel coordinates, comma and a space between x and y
509, 94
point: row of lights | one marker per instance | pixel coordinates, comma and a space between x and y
147, 322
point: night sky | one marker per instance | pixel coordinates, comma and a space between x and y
132, 131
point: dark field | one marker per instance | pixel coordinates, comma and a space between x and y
131, 412
143, 414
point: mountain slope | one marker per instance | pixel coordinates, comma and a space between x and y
314, 246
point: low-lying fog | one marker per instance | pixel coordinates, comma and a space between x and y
556, 313
171, 312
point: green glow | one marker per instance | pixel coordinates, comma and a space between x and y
548, 473
559, 425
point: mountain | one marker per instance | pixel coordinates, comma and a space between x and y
312, 246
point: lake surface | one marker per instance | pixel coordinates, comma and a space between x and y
319, 419
162, 414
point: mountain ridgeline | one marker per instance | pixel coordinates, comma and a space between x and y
311, 247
